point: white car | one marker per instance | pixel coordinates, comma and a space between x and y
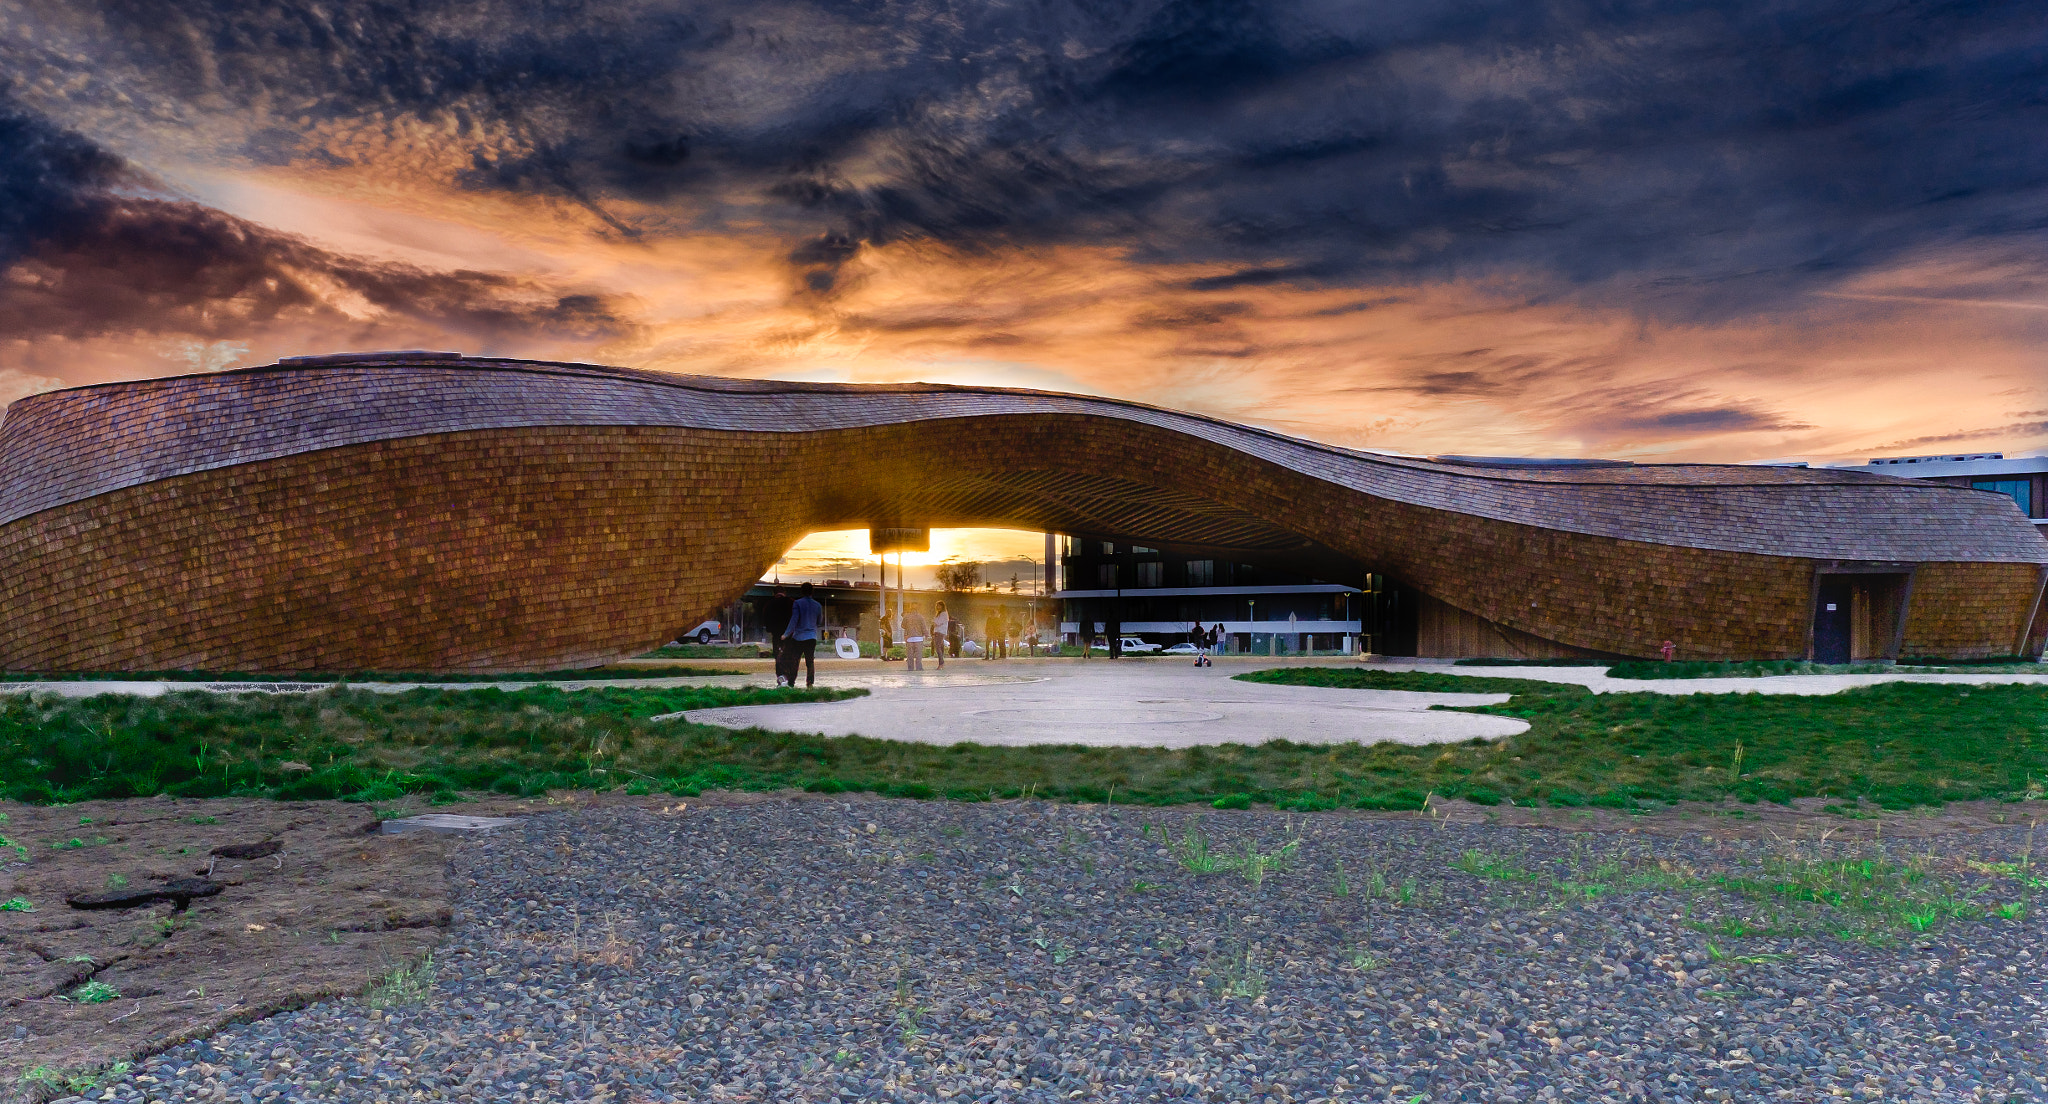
1130, 645
1182, 649
702, 634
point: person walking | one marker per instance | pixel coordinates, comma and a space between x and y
776, 616
914, 631
992, 629
805, 616
942, 630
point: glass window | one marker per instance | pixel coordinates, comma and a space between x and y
1108, 548
1105, 576
1201, 573
2019, 490
1141, 550
1148, 573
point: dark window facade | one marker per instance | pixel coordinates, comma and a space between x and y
2019, 490
1148, 573
1201, 573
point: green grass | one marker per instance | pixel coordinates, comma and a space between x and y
1895, 744
408, 983
1871, 891
1483, 864
1752, 668
1760, 668
718, 651
1194, 852
1532, 663
83, 1081
93, 992
575, 674
1875, 896
368, 746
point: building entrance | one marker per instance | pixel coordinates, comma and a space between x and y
1858, 614
1831, 624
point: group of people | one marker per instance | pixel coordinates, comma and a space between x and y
946, 633
1210, 641
793, 628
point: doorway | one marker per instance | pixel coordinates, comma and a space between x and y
1859, 614
1831, 623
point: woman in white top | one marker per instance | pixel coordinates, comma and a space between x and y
942, 632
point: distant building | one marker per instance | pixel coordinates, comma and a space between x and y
848, 607
2024, 479
1118, 588
851, 609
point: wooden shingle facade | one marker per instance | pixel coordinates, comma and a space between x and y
426, 511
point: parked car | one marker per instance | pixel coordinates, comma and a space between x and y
704, 633
1130, 645
1182, 648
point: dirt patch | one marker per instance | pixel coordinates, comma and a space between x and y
337, 907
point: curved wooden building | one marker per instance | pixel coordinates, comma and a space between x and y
430, 511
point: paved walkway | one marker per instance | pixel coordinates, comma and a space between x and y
1155, 703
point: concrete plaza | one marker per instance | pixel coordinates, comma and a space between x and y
1151, 702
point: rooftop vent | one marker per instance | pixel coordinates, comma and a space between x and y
381, 356
1532, 462
1877, 460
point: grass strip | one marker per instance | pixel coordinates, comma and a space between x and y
363, 745
1761, 668
1475, 662
1895, 744
578, 674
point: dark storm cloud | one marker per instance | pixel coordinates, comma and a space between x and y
1703, 156
1719, 419
90, 245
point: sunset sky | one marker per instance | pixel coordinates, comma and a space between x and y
1654, 230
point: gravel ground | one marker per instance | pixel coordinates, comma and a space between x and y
879, 950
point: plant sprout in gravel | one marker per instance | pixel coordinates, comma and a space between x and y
94, 992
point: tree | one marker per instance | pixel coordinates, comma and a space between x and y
1013, 582
959, 576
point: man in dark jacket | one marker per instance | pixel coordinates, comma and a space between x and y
775, 615
806, 618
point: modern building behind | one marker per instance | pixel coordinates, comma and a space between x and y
1112, 588
2024, 479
